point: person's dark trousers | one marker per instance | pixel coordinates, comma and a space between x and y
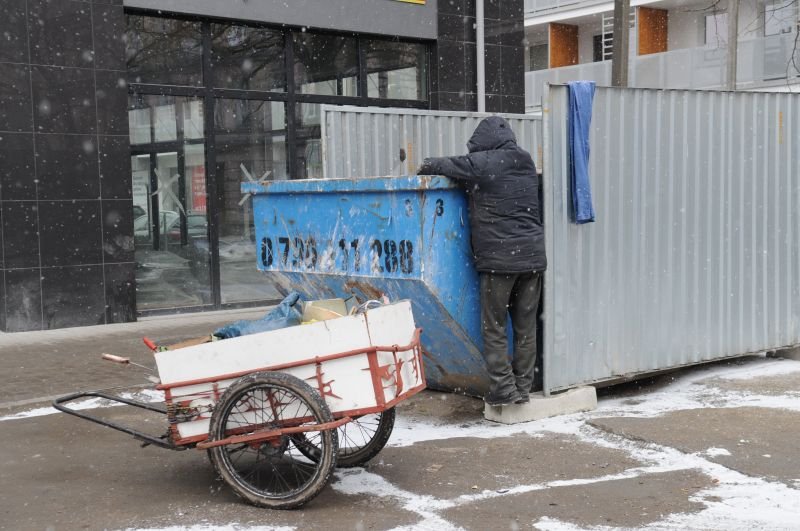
515, 295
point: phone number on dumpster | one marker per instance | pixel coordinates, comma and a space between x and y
380, 256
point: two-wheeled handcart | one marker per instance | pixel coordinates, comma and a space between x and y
277, 411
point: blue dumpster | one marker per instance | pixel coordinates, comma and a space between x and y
406, 237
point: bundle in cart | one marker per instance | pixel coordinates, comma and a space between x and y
278, 410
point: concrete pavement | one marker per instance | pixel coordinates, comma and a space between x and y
712, 447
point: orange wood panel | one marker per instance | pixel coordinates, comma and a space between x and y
563, 45
653, 30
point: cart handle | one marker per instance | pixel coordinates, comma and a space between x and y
59, 404
269, 434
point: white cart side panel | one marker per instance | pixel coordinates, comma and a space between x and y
346, 386
255, 351
194, 428
394, 325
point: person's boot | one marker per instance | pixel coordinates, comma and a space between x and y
502, 400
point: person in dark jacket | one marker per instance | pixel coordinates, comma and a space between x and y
508, 245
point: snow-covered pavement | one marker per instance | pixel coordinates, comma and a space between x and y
711, 448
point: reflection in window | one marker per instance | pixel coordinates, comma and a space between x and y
717, 30
193, 119
539, 56
248, 58
309, 144
139, 124
140, 173
164, 124
170, 233
397, 70
162, 50
325, 64
254, 132
162, 118
251, 141
195, 189
170, 202
780, 16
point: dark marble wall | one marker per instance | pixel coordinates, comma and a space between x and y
454, 68
65, 194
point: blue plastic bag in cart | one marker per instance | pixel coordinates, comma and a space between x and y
288, 313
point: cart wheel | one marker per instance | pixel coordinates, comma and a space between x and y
359, 440
272, 473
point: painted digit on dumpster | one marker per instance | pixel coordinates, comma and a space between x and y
311, 253
298, 256
376, 256
283, 240
390, 248
406, 256
345, 254
356, 256
266, 252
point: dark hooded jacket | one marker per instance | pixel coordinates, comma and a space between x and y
503, 188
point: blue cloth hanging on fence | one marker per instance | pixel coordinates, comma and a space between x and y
581, 95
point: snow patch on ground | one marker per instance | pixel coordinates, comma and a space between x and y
209, 527
359, 481
551, 524
764, 368
716, 452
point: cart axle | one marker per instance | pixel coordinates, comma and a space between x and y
270, 434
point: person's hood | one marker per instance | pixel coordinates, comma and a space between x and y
492, 133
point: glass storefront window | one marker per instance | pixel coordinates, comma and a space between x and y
396, 70
164, 50
165, 125
251, 143
140, 173
248, 58
170, 200
139, 126
254, 131
157, 119
250, 107
325, 64
192, 119
309, 144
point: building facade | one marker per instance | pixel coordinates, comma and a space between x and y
127, 127
673, 44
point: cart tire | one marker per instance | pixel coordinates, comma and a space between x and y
274, 473
359, 440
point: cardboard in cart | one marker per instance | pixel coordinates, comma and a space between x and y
325, 309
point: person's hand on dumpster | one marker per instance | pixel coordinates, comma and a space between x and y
426, 168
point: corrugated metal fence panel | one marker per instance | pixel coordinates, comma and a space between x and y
366, 141
695, 254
